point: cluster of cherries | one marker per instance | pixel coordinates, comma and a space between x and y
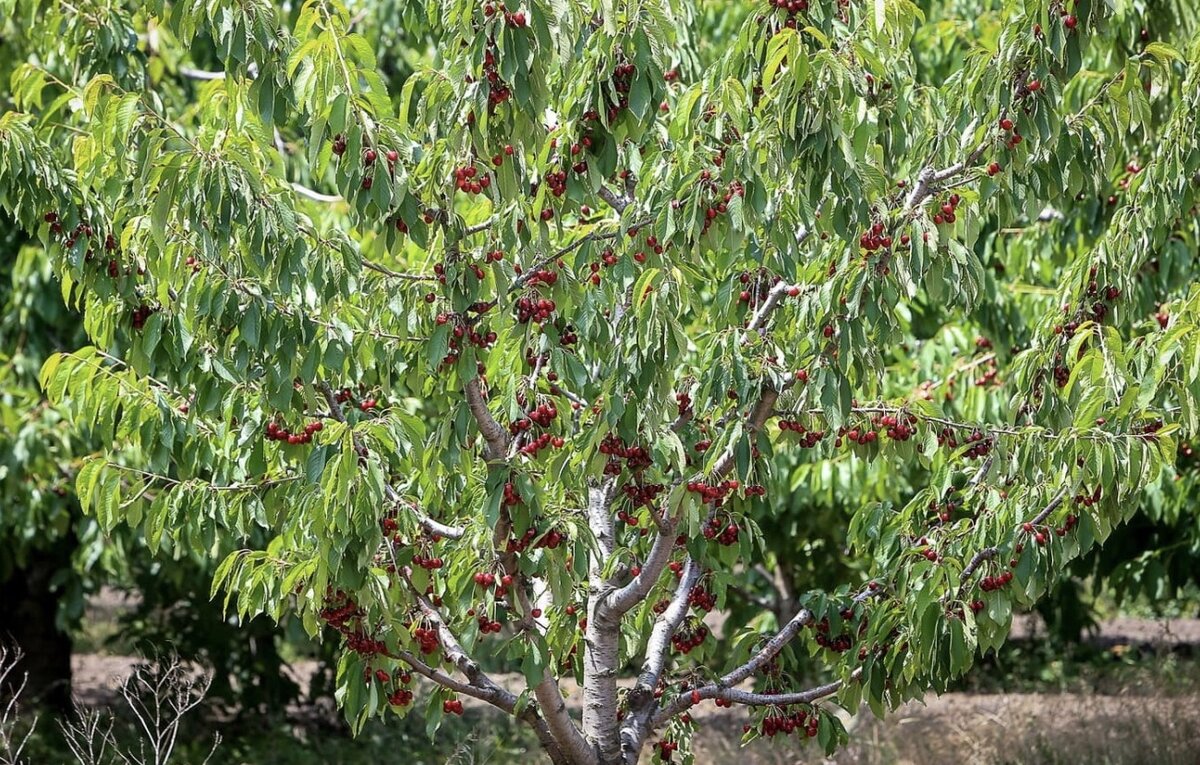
487, 625
1014, 139
545, 440
946, 212
808, 438
85, 230
622, 80
488, 579
343, 615
723, 533
140, 314
981, 445
900, 427
557, 181
856, 435
277, 433
543, 276
432, 563
401, 697
719, 205
684, 402
551, 540
533, 309
779, 724
468, 179
713, 493
498, 90
993, 583
839, 644
636, 457
666, 748
875, 239
944, 510
699, 597
689, 638
640, 495
427, 640
452, 707
511, 497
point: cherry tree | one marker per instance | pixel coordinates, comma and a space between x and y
496, 320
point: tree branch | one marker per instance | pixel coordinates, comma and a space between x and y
561, 726
747, 698
493, 434
316, 196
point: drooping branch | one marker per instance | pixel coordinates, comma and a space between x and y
489, 691
529, 715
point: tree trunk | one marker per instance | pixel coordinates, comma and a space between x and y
28, 622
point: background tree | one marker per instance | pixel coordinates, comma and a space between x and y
516, 388
51, 555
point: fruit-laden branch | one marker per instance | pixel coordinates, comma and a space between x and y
659, 645
747, 698
529, 715
721, 689
591, 236
489, 691
984, 428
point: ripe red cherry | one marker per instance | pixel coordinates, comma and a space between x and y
1034, 86
536, 613
1070, 22
392, 155
508, 149
828, 330
1006, 124
430, 297
369, 156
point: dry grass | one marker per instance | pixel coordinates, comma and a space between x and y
1017, 729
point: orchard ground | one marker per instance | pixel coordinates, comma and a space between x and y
1129, 695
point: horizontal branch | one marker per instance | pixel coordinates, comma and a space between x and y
376, 267
748, 698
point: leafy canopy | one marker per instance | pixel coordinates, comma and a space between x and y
496, 322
